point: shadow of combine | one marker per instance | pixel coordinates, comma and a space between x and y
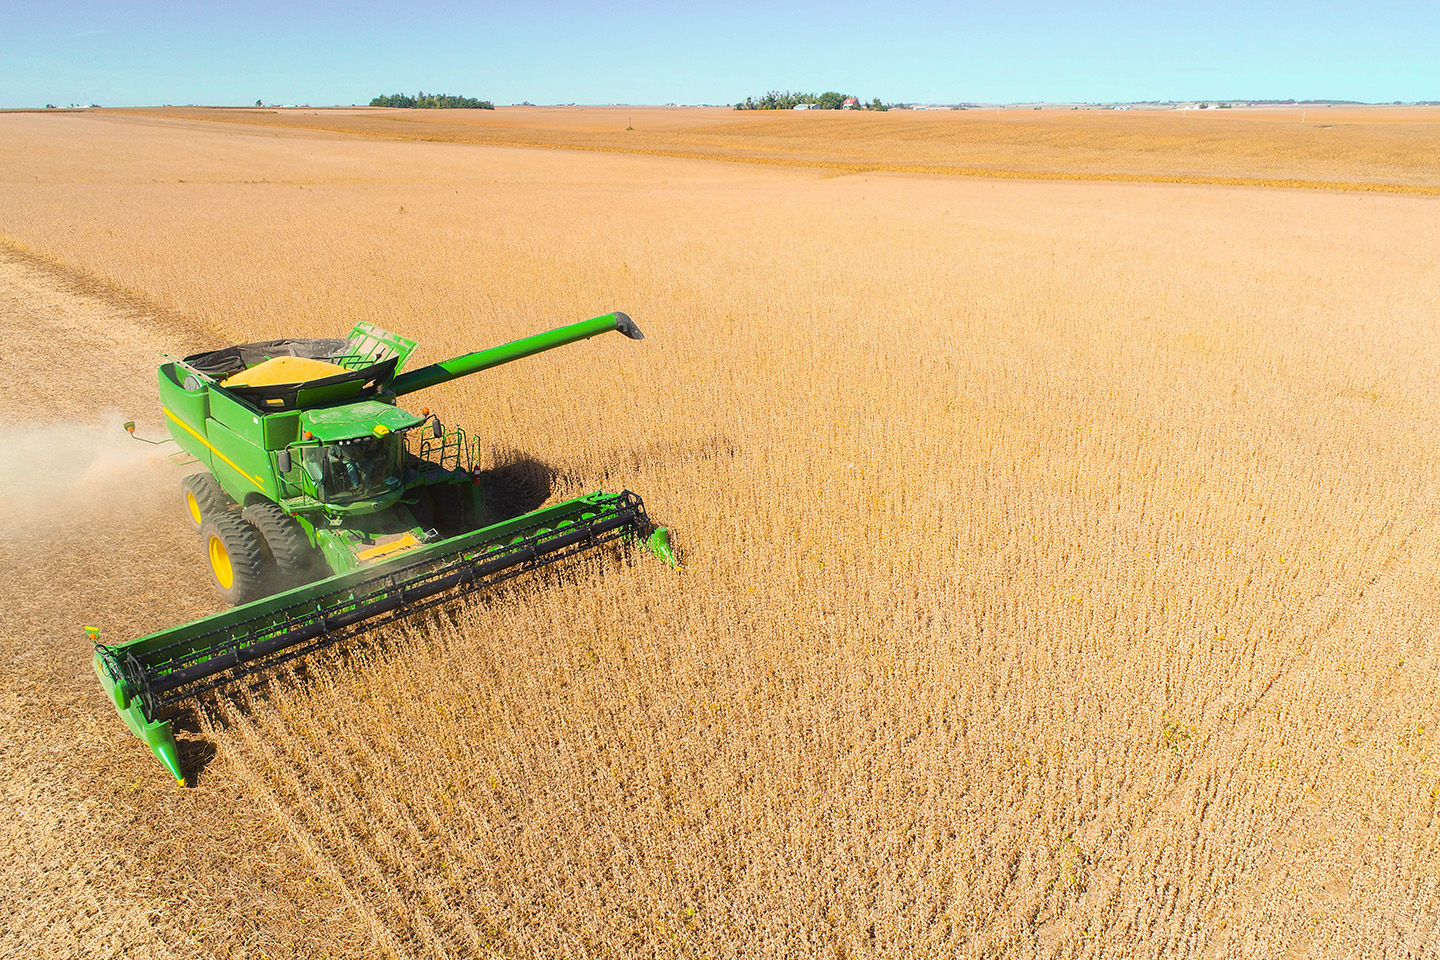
516, 485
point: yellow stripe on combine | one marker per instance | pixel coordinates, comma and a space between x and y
191, 430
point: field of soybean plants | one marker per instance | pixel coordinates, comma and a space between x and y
1058, 560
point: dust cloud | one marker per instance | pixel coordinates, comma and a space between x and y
59, 474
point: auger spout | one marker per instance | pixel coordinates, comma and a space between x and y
466, 364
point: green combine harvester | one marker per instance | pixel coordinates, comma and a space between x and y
328, 509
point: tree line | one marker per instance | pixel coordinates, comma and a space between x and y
432, 101
829, 100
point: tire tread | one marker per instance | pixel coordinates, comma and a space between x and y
247, 556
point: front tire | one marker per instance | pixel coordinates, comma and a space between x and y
236, 557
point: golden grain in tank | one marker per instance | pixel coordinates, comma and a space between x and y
280, 370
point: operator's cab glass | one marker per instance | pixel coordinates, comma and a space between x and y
349, 470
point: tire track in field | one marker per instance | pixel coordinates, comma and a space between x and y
1369, 895
1204, 784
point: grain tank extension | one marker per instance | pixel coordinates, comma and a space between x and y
325, 508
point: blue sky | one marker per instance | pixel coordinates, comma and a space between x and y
652, 52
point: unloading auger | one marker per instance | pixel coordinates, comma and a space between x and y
325, 509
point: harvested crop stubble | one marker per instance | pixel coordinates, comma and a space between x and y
1058, 557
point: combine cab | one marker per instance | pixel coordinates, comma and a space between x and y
325, 508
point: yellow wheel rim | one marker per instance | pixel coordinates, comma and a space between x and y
193, 506
220, 564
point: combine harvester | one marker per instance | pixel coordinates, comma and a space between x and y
327, 509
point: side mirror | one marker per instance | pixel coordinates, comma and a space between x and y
435, 429
282, 460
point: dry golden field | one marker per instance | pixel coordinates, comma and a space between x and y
1059, 560
1386, 149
